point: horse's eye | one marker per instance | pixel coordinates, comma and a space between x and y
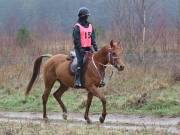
113, 53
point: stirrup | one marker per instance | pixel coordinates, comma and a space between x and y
102, 84
78, 85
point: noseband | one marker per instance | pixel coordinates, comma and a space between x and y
111, 58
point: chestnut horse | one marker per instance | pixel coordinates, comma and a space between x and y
57, 69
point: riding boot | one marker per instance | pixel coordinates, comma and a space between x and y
78, 83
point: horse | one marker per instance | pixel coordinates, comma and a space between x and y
57, 69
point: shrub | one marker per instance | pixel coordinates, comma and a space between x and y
23, 36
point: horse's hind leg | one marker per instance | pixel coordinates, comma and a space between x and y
58, 94
48, 86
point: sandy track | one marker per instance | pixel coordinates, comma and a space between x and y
127, 122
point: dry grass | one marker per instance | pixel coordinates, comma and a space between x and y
16, 67
135, 80
15, 77
13, 128
16, 63
124, 91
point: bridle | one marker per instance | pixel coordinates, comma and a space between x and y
111, 58
111, 62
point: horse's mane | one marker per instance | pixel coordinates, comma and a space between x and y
102, 52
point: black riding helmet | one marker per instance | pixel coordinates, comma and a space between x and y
83, 11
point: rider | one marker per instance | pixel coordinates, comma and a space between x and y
84, 40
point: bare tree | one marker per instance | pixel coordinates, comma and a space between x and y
117, 12
143, 10
10, 29
132, 18
178, 27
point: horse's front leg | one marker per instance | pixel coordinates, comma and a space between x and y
96, 93
88, 104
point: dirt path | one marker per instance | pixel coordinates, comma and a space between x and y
128, 122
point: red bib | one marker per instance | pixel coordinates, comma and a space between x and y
85, 35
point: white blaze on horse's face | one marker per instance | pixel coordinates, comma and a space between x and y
116, 52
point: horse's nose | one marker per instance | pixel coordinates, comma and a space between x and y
121, 67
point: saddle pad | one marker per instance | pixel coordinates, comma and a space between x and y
74, 61
73, 65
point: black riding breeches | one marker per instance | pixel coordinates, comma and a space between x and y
80, 53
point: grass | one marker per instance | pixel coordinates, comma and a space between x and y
11, 128
164, 102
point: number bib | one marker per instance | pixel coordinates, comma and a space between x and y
85, 35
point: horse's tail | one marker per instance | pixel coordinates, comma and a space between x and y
36, 71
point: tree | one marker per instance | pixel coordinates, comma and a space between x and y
178, 27
23, 36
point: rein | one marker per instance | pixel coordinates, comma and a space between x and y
99, 74
104, 65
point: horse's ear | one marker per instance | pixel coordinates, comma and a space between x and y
119, 44
112, 43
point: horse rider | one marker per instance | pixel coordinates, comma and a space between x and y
84, 40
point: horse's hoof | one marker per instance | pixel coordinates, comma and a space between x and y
89, 121
101, 119
45, 119
64, 116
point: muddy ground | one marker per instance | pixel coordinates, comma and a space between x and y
127, 122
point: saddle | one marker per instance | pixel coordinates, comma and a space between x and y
73, 64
